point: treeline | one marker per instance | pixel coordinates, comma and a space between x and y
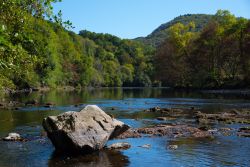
39, 52
216, 57
35, 52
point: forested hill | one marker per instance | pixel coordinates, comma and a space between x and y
35, 52
216, 57
199, 51
160, 34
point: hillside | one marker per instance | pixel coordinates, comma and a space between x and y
160, 33
215, 57
41, 53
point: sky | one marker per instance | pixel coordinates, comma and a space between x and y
136, 18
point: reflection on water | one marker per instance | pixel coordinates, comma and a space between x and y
98, 159
127, 105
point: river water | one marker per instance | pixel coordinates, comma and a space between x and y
127, 105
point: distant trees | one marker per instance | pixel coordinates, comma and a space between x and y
213, 58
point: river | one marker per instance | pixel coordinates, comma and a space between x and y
127, 105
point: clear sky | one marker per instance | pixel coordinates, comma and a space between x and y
135, 18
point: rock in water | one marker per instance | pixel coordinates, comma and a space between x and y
12, 137
85, 131
119, 146
172, 147
146, 146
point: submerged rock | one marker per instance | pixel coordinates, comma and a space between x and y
31, 102
166, 130
172, 147
148, 146
85, 131
234, 116
119, 146
244, 132
165, 118
174, 131
165, 110
170, 112
11, 105
49, 105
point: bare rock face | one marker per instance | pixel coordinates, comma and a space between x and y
85, 131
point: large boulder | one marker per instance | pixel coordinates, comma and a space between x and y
85, 131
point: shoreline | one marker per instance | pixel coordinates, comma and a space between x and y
71, 88
68, 88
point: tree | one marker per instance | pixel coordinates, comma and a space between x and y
172, 55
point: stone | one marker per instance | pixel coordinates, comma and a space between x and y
170, 112
165, 118
225, 129
31, 103
244, 129
49, 105
155, 109
161, 118
229, 117
131, 133
174, 131
12, 137
146, 146
244, 132
119, 146
82, 132
172, 147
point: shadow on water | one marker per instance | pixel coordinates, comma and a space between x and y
103, 158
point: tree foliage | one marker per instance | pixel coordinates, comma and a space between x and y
158, 36
216, 57
35, 52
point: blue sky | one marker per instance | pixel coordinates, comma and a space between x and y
135, 18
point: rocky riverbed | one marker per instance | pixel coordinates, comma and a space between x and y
89, 130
